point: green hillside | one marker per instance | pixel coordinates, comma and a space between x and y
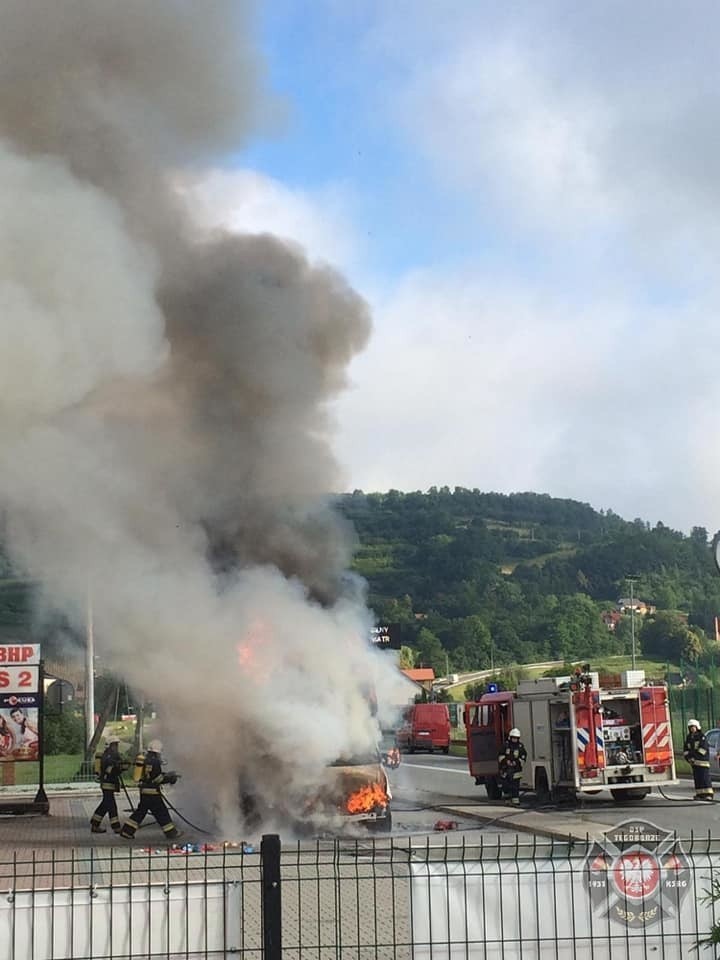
476, 578
486, 579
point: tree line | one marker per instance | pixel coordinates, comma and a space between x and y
485, 579
479, 580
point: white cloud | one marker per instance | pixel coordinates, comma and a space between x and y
593, 120
490, 116
582, 365
476, 382
246, 201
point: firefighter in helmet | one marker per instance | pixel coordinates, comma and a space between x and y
109, 767
510, 761
148, 773
697, 752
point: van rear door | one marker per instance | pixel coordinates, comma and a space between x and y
431, 725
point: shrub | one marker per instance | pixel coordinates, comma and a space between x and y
64, 731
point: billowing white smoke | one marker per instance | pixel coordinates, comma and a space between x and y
163, 416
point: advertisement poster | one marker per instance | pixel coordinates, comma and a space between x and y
19, 702
19, 726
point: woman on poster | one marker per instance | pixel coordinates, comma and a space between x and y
7, 740
24, 733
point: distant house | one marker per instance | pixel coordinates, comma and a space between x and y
611, 618
422, 676
627, 605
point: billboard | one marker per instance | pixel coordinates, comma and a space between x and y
20, 702
387, 636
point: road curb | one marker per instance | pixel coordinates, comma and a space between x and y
530, 821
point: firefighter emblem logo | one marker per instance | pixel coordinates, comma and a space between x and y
637, 874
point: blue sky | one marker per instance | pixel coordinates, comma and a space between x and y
527, 196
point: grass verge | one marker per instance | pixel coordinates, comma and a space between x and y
60, 768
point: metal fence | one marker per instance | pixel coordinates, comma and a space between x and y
693, 702
356, 900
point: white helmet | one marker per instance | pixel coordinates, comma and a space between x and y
694, 723
514, 733
155, 746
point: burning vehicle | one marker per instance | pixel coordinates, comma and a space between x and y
356, 790
353, 790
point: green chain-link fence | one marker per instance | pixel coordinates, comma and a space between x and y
698, 704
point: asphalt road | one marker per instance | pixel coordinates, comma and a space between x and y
427, 789
427, 781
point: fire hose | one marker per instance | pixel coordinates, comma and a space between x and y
184, 819
122, 783
674, 799
171, 807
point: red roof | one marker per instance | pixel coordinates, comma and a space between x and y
420, 675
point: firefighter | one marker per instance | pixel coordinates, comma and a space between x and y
109, 768
148, 773
697, 752
510, 761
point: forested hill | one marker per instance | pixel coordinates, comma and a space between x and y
526, 577
484, 578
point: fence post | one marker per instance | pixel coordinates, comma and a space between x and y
271, 897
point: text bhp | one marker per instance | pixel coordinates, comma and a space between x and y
16, 654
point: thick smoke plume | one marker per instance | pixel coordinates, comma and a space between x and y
164, 393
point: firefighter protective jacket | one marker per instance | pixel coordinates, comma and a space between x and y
149, 774
111, 768
696, 750
512, 758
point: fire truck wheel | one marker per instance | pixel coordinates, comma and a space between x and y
446, 749
634, 793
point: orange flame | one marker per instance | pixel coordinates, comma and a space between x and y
250, 649
367, 798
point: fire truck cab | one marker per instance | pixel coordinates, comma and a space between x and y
579, 738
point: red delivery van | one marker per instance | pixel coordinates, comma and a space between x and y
425, 726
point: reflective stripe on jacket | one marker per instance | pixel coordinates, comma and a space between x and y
696, 749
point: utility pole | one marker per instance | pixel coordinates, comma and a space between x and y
632, 623
632, 581
89, 673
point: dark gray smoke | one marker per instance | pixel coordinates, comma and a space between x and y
164, 420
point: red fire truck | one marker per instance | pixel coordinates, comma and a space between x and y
579, 738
